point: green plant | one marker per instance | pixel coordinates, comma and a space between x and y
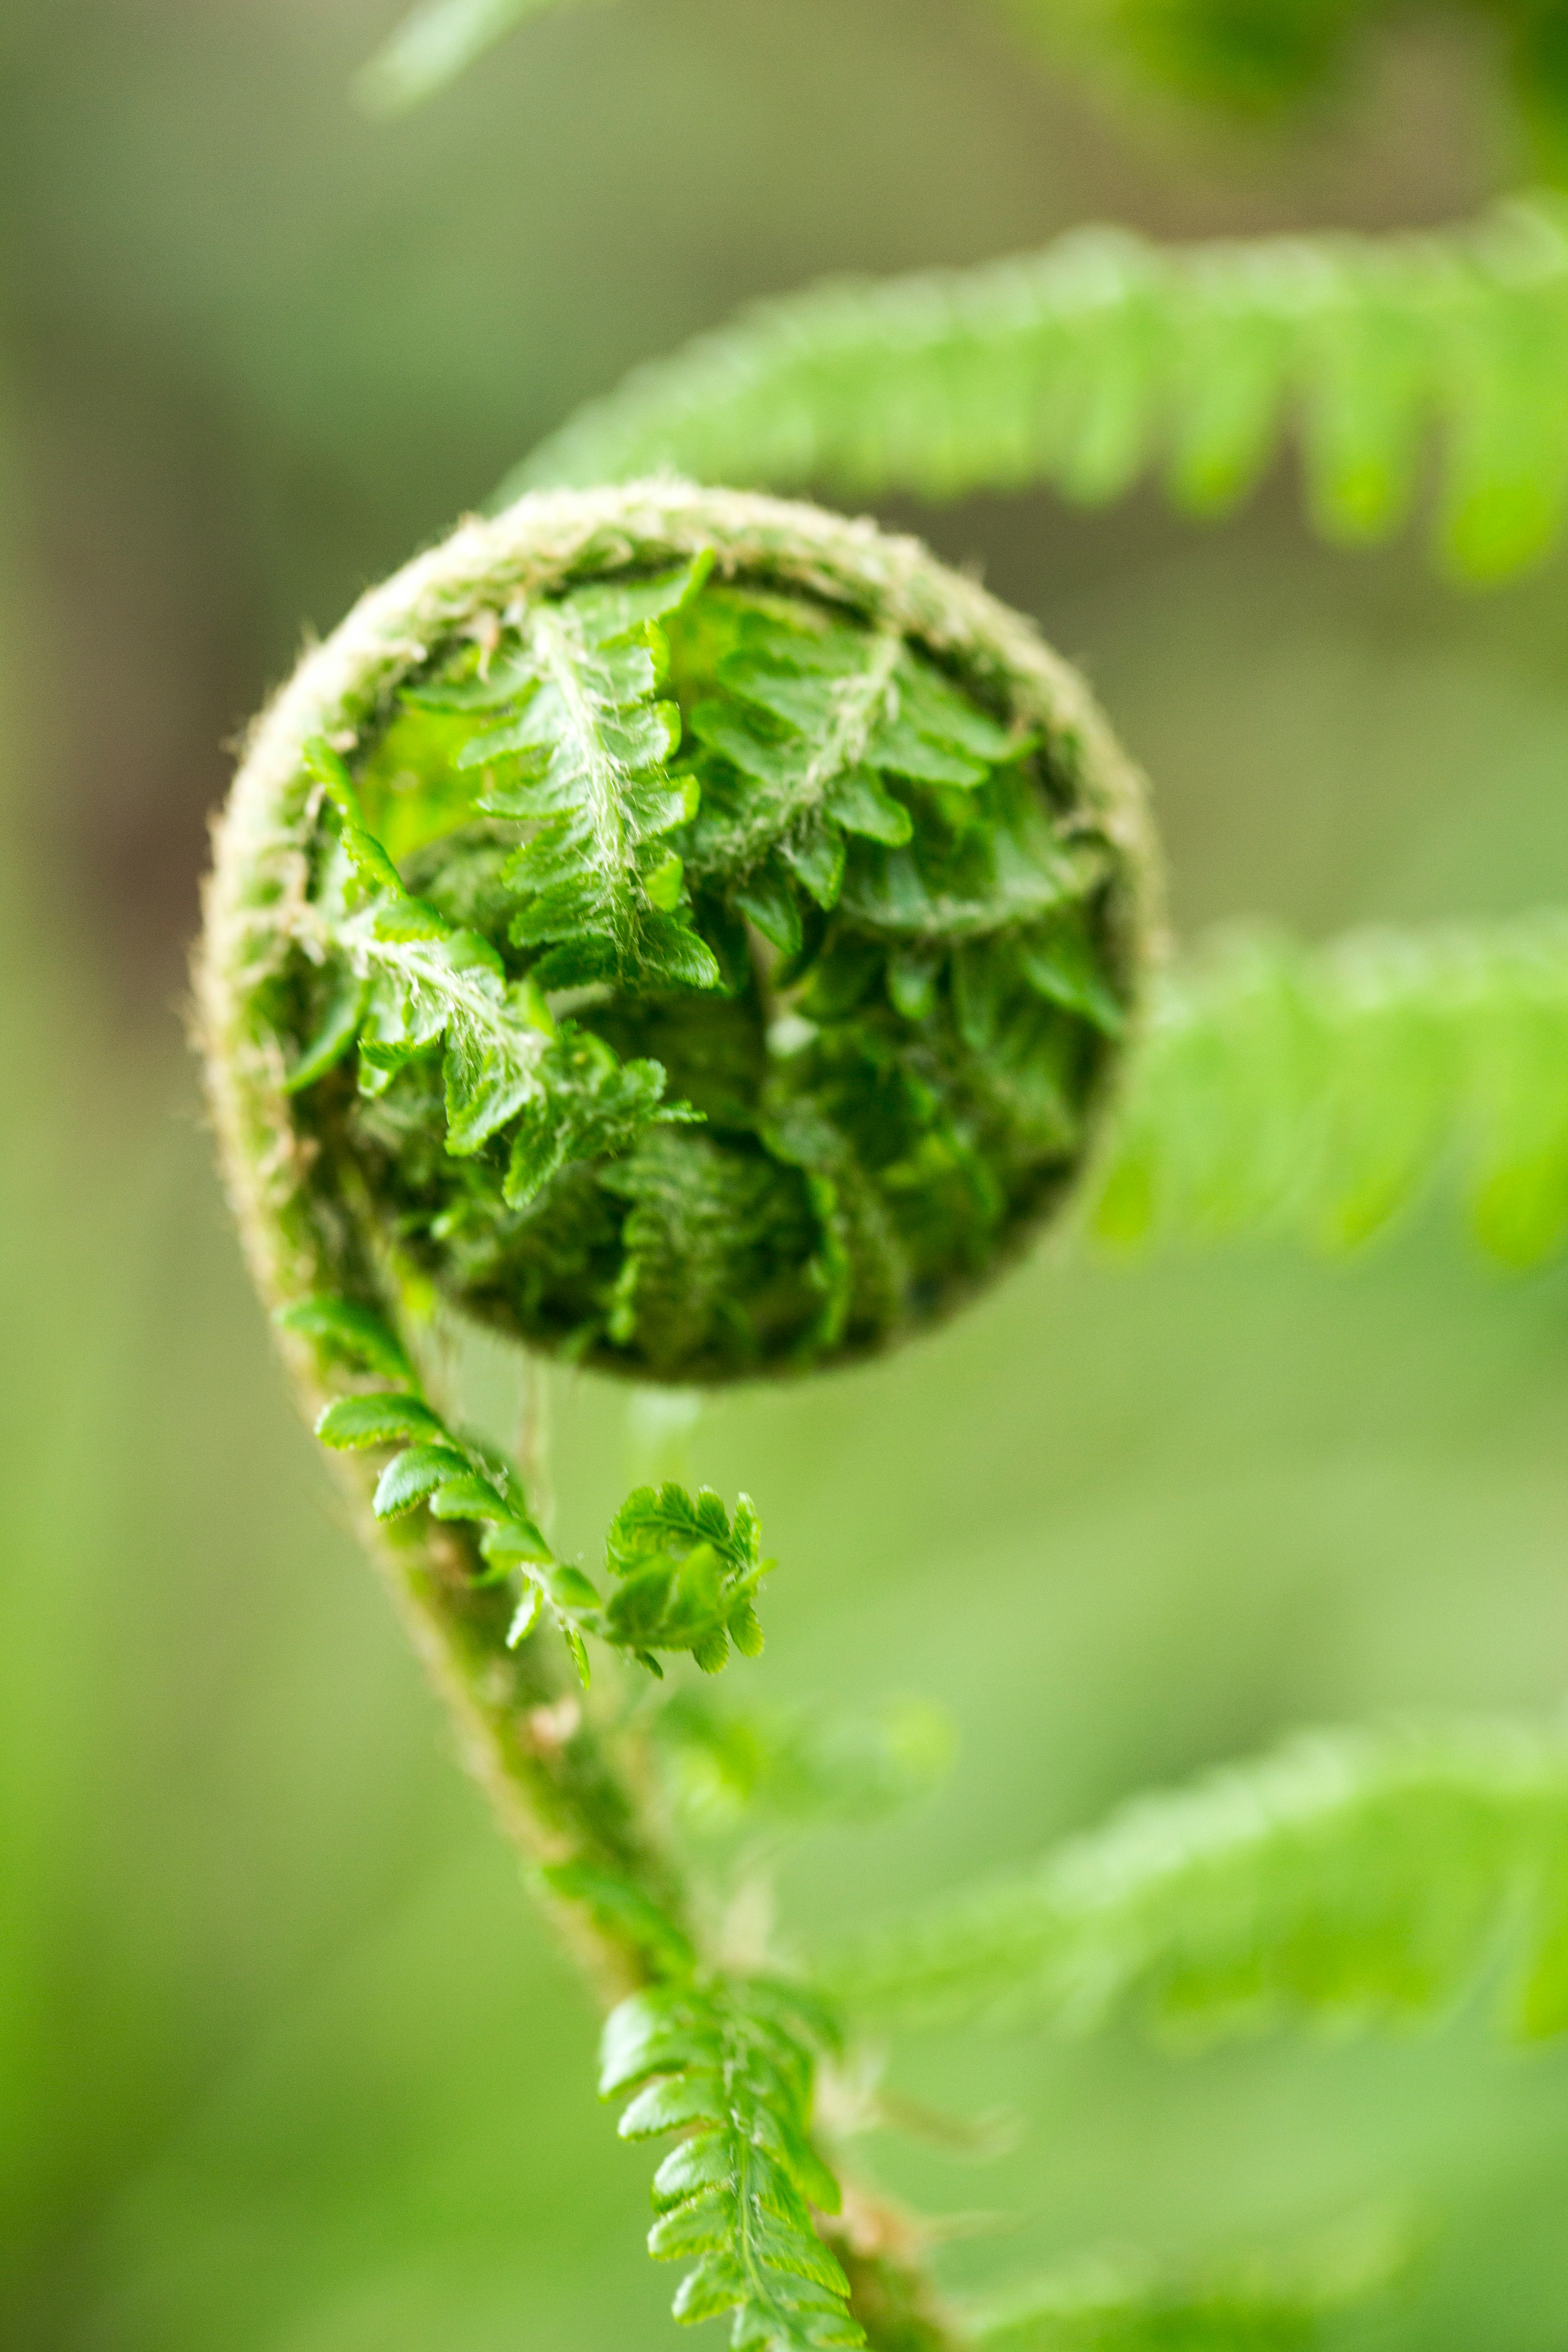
695, 936
704, 938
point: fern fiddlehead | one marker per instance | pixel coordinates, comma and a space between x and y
611, 1046
696, 936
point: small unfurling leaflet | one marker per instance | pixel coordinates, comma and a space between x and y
685, 1575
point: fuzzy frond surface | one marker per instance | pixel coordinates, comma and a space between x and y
1106, 357
1355, 1878
701, 979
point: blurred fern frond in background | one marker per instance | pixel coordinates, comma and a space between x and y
1119, 2303
1248, 58
1321, 1091
438, 41
1361, 1878
1105, 357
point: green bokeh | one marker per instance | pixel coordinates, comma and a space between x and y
287, 2063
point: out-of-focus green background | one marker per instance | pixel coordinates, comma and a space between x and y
286, 2063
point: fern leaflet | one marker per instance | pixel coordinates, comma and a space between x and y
731, 1769
412, 982
579, 747
686, 1577
814, 724
1359, 1877
1086, 364
1319, 1091
1120, 2304
731, 2063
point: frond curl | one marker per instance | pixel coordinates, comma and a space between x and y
685, 1575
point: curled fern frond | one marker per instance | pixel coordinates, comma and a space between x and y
687, 1577
1105, 356
1354, 1878
1321, 1091
698, 934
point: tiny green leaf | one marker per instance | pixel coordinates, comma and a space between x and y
525, 1617
414, 1475
352, 1332
625, 1908
354, 1422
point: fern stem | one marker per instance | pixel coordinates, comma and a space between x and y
555, 1789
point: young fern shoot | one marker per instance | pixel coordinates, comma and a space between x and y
696, 936
703, 938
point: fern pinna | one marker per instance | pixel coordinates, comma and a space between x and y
1106, 357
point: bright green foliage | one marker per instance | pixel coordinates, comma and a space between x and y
730, 2063
1088, 364
351, 1334
812, 724
621, 1905
409, 980
703, 980
435, 42
686, 1578
1321, 1091
1356, 1878
577, 742
1124, 2305
1217, 2319
738, 991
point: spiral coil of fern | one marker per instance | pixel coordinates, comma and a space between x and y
696, 934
